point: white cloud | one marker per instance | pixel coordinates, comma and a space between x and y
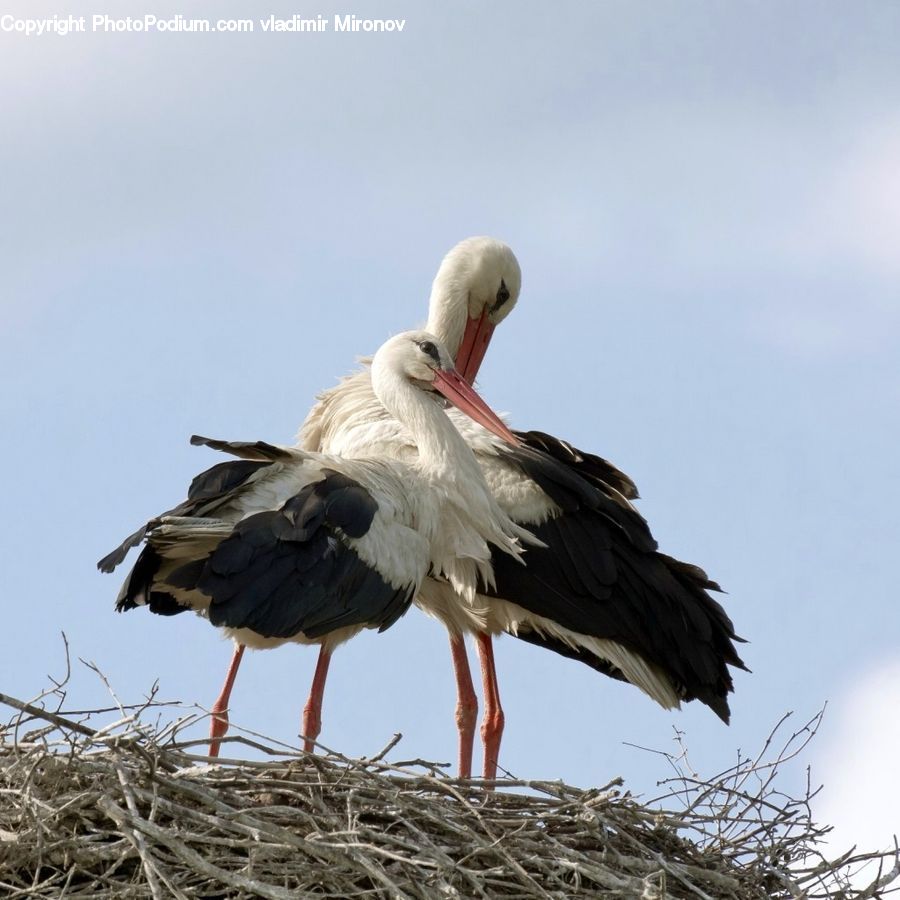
858, 766
864, 207
814, 319
853, 215
836, 247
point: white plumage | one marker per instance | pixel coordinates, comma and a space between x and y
596, 590
311, 547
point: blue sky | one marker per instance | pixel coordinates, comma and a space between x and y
199, 232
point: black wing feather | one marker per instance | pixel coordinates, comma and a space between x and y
571, 492
280, 572
213, 484
222, 478
601, 575
587, 465
256, 450
288, 572
140, 588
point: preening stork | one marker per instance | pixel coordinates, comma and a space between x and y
598, 591
289, 545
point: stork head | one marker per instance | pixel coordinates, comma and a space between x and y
475, 288
419, 359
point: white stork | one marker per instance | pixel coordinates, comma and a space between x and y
476, 286
288, 545
598, 592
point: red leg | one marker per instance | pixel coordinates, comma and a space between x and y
218, 725
312, 712
492, 724
466, 703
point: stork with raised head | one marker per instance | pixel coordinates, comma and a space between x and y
599, 591
290, 545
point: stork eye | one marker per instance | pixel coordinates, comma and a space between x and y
429, 348
502, 295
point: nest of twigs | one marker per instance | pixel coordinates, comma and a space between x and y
127, 810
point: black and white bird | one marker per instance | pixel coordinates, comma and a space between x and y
286, 545
598, 591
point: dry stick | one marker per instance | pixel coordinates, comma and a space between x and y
77, 727
153, 875
39, 713
123, 819
387, 748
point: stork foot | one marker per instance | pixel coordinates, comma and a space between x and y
465, 724
466, 704
218, 726
312, 712
491, 735
494, 719
312, 725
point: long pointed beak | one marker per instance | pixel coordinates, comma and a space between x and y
474, 345
450, 384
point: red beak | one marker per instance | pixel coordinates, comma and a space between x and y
474, 345
450, 384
